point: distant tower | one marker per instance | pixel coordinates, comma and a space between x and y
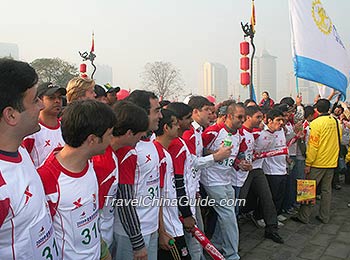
215, 81
265, 75
9, 50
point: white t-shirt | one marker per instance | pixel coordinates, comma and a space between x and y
26, 230
220, 173
172, 223
42, 143
73, 201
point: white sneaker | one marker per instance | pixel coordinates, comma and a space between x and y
281, 218
261, 223
280, 224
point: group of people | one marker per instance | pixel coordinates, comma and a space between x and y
104, 178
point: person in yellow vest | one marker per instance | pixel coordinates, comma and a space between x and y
321, 159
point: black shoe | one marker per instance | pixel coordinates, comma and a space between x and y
320, 219
275, 237
296, 219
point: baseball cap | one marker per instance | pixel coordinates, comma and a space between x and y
110, 88
100, 91
48, 89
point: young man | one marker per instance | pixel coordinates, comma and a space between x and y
70, 181
170, 227
217, 179
254, 183
146, 184
275, 168
42, 143
111, 94
26, 230
186, 167
115, 170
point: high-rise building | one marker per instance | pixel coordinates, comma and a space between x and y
264, 75
9, 50
215, 81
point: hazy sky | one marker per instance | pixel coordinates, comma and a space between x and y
130, 33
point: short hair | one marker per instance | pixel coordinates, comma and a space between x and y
198, 102
323, 105
142, 98
288, 100
165, 120
82, 118
282, 107
273, 113
129, 117
16, 77
267, 93
77, 87
308, 111
252, 110
247, 101
164, 103
232, 108
180, 109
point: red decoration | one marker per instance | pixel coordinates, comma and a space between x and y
244, 48
245, 63
245, 78
82, 68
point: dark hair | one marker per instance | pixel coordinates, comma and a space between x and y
337, 106
247, 101
287, 100
282, 107
142, 99
267, 93
252, 110
198, 102
180, 109
232, 108
82, 118
323, 105
273, 113
164, 103
129, 117
16, 77
308, 110
166, 120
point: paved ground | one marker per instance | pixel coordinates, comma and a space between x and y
311, 241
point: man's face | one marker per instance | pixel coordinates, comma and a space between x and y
276, 124
154, 114
103, 142
52, 104
236, 119
173, 130
112, 98
29, 118
202, 116
256, 119
185, 122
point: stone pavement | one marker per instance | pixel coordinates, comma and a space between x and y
303, 241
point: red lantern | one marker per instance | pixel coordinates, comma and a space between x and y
245, 63
245, 78
82, 68
244, 48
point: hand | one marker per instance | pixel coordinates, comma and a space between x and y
223, 153
245, 165
164, 239
141, 254
189, 223
307, 169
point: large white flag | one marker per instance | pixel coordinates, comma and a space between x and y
318, 52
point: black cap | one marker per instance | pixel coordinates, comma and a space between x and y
111, 89
48, 89
100, 91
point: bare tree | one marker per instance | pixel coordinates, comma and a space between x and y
163, 79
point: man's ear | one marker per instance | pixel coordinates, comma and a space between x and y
91, 139
10, 116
